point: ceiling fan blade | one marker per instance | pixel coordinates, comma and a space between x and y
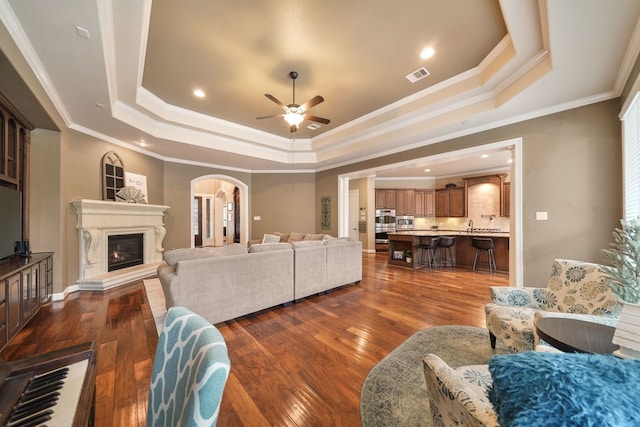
274, 99
293, 128
317, 119
268, 117
312, 103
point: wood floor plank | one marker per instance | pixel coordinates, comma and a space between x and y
300, 365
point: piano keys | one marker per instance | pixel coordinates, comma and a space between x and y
52, 389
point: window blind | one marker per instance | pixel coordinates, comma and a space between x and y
631, 160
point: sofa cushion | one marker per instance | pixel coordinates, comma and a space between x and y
266, 247
539, 388
173, 256
270, 238
338, 241
307, 244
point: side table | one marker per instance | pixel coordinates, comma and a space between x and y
576, 336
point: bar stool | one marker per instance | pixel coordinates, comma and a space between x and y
445, 243
429, 251
484, 244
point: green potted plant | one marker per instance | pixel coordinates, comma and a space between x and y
407, 256
623, 275
623, 259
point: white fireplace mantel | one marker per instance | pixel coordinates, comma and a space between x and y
97, 220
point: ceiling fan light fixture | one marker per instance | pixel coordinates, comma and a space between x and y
294, 119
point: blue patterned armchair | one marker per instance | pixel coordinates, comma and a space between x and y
190, 369
576, 289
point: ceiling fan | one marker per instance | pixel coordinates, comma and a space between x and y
294, 114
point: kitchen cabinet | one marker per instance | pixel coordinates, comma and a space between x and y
425, 203
451, 202
385, 199
505, 203
405, 202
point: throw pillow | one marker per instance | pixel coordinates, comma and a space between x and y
310, 236
270, 238
294, 237
565, 389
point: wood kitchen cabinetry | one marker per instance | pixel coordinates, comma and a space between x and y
405, 202
505, 204
385, 199
425, 203
451, 202
25, 284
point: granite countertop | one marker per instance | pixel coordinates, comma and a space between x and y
441, 232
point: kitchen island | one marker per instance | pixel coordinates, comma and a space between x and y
463, 252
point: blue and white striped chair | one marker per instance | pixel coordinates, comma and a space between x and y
190, 370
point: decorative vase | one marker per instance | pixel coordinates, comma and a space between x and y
627, 334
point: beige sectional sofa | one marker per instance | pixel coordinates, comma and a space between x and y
232, 281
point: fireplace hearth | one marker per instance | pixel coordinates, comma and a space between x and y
125, 250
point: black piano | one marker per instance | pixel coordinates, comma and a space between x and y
52, 389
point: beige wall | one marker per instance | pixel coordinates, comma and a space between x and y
285, 203
81, 178
571, 169
46, 235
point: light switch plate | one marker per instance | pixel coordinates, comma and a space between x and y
541, 216
256, 218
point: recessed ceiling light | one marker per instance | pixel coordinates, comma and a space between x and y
142, 144
199, 93
427, 53
427, 170
510, 161
484, 156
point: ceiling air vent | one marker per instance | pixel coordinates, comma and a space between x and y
313, 126
418, 74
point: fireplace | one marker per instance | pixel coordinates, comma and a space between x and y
102, 226
125, 250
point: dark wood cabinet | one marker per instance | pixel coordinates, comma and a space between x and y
25, 284
451, 202
385, 199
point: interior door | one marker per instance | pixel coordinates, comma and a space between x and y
197, 221
354, 196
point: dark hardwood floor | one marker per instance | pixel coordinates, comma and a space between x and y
301, 365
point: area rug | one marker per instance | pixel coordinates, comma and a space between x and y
394, 392
156, 301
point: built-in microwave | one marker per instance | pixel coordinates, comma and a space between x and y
404, 222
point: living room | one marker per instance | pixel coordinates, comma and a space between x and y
571, 167
563, 152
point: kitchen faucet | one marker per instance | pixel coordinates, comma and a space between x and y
471, 225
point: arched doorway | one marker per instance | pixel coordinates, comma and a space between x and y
219, 210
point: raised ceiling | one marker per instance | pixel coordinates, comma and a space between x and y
125, 71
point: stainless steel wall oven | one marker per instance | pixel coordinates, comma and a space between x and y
385, 224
